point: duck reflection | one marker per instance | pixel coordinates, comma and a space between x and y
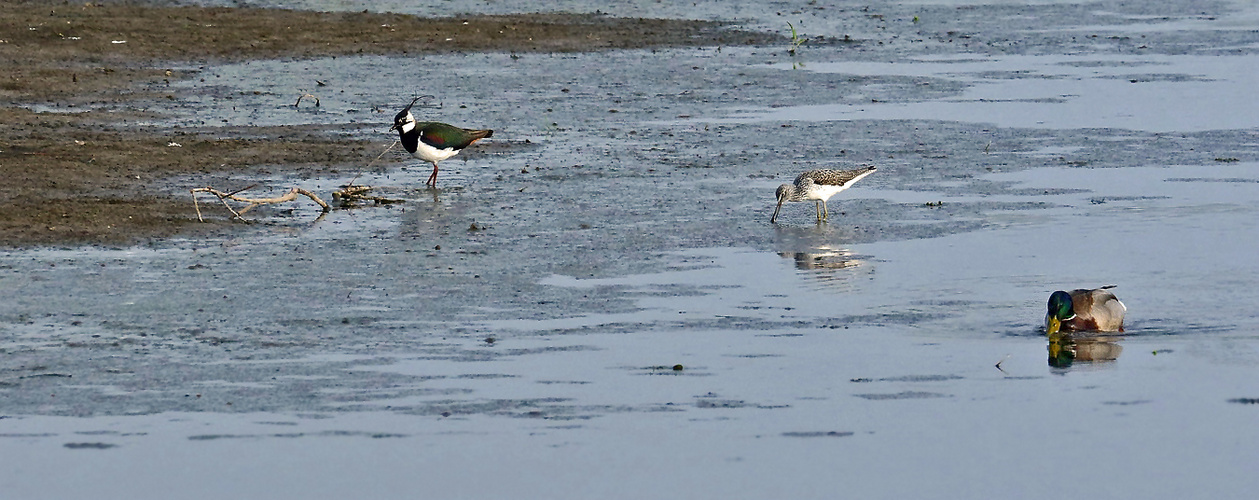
1066, 349
827, 266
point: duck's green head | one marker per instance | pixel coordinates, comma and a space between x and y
1060, 309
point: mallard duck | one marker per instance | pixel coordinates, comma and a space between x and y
819, 186
1085, 310
433, 141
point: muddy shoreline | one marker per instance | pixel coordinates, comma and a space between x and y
84, 178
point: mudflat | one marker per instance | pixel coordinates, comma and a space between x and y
87, 178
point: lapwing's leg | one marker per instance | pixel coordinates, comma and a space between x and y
432, 179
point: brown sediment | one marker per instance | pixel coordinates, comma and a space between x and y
86, 177
73, 179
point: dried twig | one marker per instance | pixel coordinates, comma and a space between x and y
350, 191
348, 194
241, 190
299, 100
253, 202
998, 365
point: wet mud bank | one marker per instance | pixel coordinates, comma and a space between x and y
76, 179
75, 170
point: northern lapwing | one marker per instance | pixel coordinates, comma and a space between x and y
433, 141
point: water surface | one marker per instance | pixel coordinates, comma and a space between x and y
594, 304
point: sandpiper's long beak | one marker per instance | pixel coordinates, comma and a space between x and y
774, 218
1052, 325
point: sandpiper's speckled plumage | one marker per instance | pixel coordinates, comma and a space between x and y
818, 185
433, 141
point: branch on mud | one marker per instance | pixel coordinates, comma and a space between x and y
253, 202
348, 195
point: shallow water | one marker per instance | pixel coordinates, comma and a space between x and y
1147, 93
382, 352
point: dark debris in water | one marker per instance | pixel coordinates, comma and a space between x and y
920, 378
909, 378
90, 446
1127, 403
1245, 401
902, 395
373, 435
720, 403
676, 369
1238, 180
816, 434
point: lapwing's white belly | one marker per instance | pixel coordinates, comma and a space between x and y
431, 154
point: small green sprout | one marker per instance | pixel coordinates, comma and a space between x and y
796, 39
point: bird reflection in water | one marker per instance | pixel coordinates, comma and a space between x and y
827, 266
1066, 349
